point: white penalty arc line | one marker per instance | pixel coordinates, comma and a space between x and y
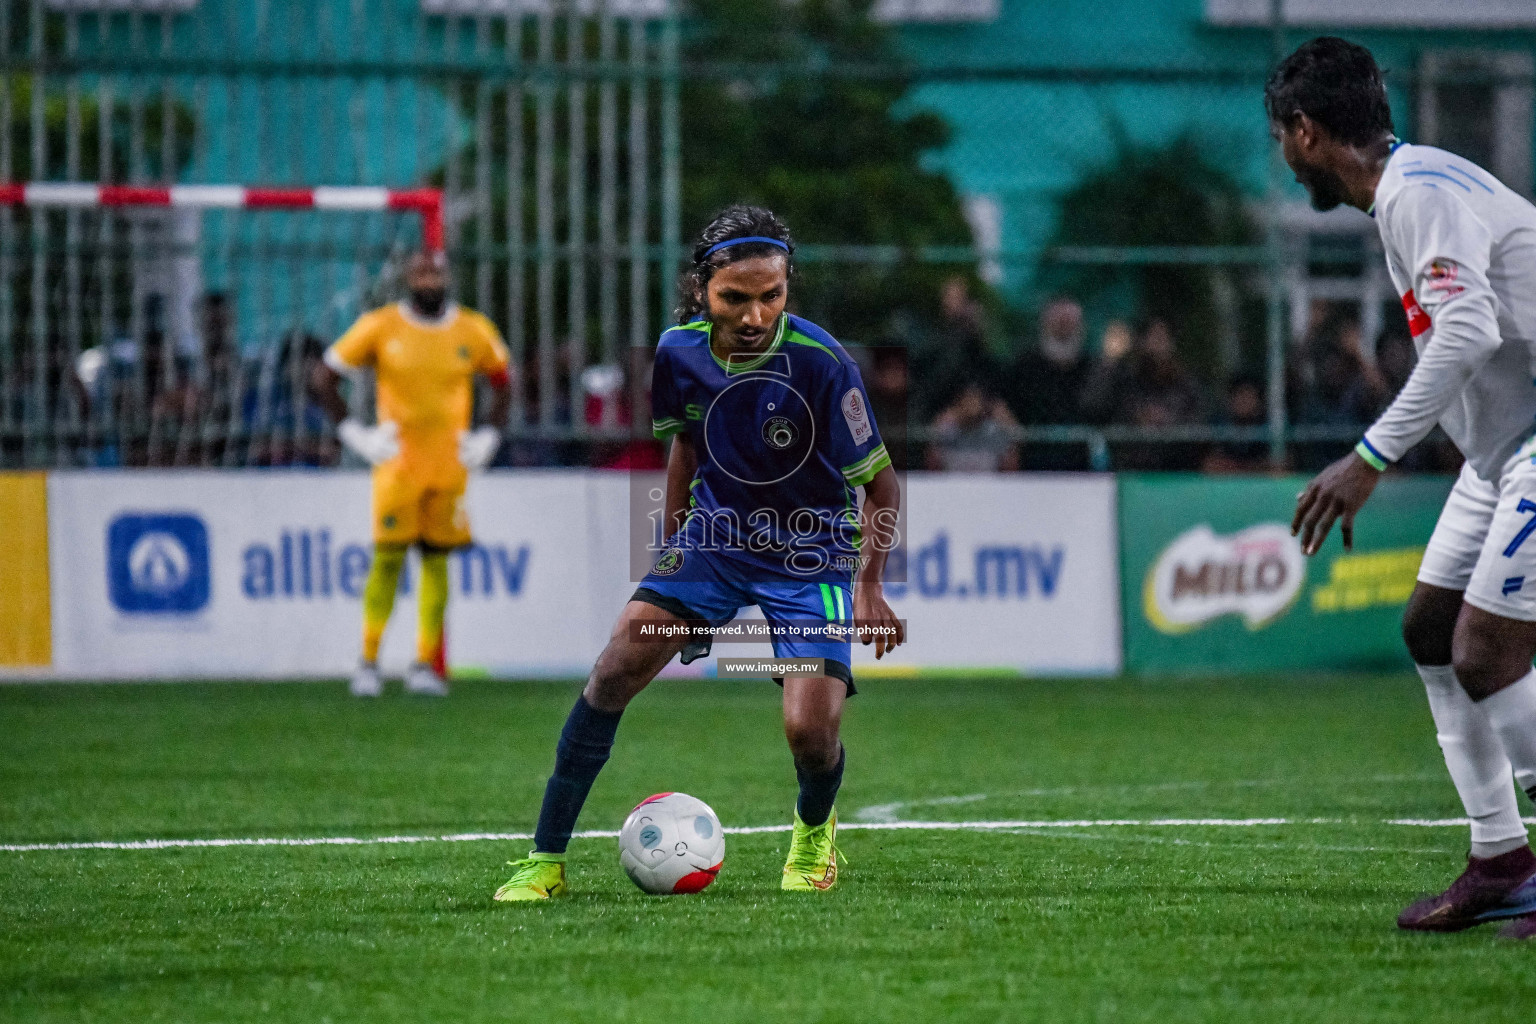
869, 826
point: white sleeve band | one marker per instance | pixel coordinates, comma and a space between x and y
335, 362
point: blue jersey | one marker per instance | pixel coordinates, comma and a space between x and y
783, 438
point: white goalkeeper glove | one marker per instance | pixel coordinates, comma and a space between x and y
375, 445
478, 447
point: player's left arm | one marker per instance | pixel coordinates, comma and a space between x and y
1449, 249
682, 467
478, 446
872, 615
857, 449
495, 364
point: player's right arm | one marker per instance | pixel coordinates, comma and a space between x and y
875, 621
682, 464
668, 422
1447, 250
352, 351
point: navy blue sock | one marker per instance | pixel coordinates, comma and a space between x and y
580, 755
818, 790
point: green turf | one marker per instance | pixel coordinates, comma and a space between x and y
1290, 922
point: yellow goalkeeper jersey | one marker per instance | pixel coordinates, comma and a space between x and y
425, 370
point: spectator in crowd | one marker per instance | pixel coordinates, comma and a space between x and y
1395, 358
528, 448
285, 426
887, 383
1332, 384
1047, 381
1338, 385
1147, 387
972, 435
1150, 388
1243, 405
957, 352
223, 379
1097, 397
608, 397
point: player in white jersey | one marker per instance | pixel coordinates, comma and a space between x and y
1461, 249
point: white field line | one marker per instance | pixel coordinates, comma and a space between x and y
883, 826
895, 810
1136, 838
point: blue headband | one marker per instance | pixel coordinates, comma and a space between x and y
742, 241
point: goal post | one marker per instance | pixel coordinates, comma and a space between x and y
172, 325
426, 201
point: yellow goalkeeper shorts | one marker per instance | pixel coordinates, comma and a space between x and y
407, 510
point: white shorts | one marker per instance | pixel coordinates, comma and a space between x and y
1485, 542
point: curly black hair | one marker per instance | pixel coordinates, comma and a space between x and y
1337, 84
735, 221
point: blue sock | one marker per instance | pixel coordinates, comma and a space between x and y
580, 755
818, 790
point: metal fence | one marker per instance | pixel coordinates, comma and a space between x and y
555, 130
165, 337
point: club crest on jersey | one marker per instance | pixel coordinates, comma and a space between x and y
779, 433
670, 561
1442, 278
856, 415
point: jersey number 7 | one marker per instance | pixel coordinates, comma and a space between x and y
1526, 505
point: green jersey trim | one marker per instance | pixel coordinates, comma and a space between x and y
1366, 452
665, 428
736, 367
800, 339
865, 470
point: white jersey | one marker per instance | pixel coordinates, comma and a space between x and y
1461, 249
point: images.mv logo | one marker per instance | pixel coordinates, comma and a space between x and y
158, 564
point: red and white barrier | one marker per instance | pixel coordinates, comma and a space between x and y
427, 201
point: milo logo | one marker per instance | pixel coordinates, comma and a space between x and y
1256, 573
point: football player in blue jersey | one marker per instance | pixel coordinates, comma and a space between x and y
770, 437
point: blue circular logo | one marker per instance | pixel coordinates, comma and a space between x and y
650, 835
703, 826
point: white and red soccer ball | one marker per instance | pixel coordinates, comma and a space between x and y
672, 843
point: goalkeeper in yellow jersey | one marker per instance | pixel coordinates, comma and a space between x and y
425, 353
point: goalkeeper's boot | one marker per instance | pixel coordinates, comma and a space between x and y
539, 876
365, 680
423, 681
1491, 888
813, 855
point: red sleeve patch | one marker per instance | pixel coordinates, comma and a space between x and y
500, 378
1418, 320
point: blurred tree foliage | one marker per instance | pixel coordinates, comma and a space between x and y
1168, 195
103, 146
166, 126
836, 157
90, 153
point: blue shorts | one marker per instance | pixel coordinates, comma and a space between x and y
703, 586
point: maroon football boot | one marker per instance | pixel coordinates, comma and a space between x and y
1490, 888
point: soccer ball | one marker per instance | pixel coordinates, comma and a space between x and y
671, 842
